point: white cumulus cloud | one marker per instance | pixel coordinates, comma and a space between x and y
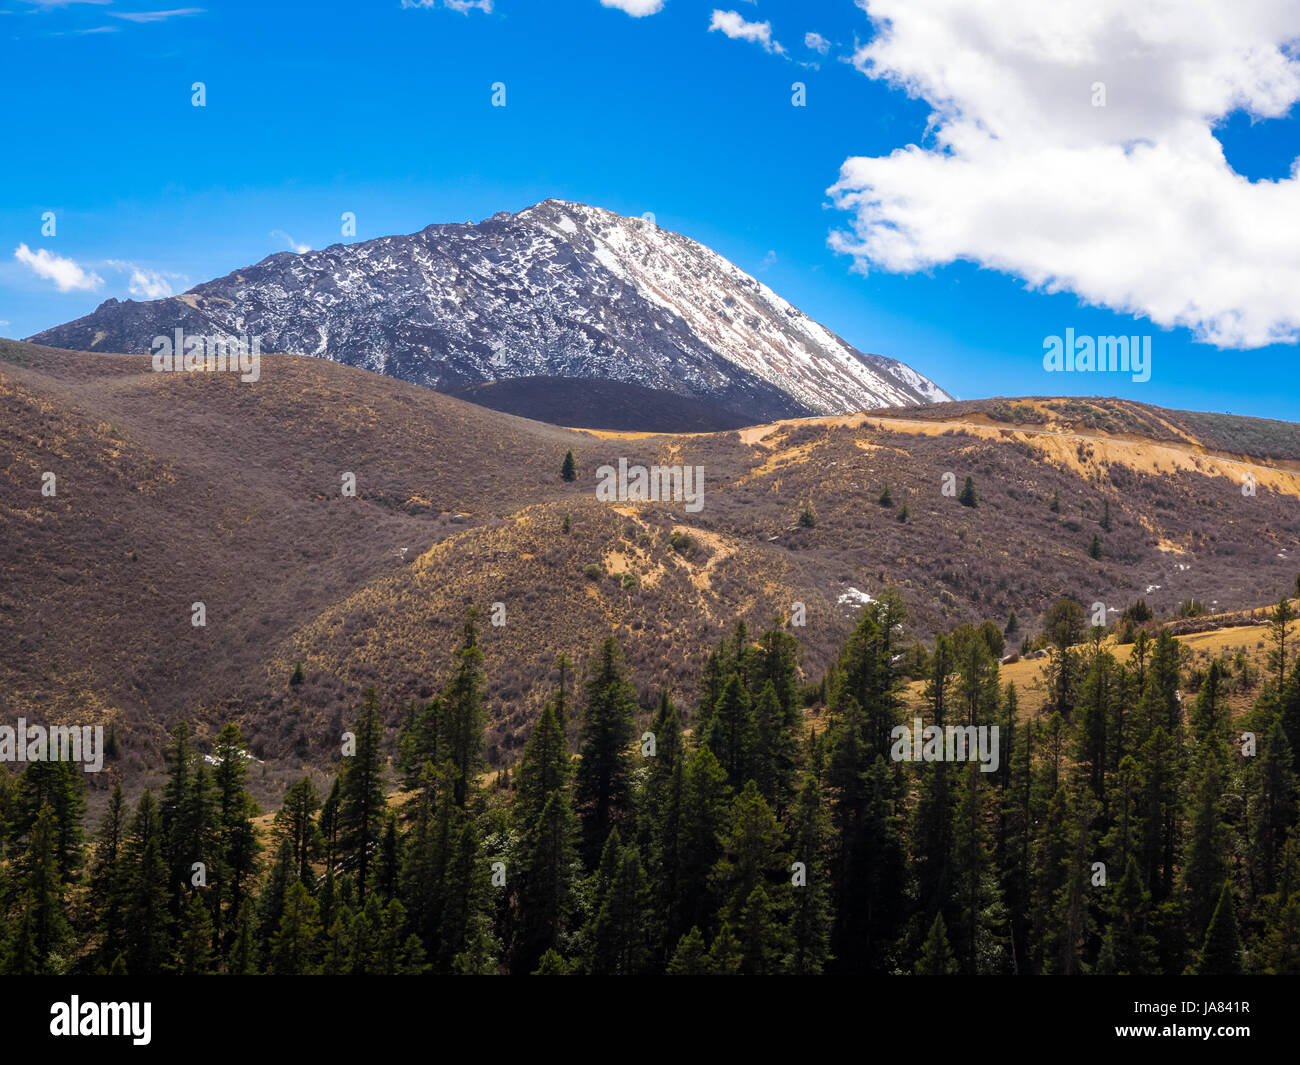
734, 26
816, 42
144, 283
67, 275
1129, 205
635, 8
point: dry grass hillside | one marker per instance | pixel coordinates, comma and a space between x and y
181, 488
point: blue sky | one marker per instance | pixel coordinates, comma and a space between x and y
980, 251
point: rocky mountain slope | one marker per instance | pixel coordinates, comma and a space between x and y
561, 292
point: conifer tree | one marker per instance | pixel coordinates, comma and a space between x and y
1133, 948
1051, 871
148, 919
465, 896
242, 959
1221, 951
621, 943
1271, 805
1279, 946
464, 714
569, 469
704, 808
810, 918
660, 770
295, 822
109, 883
866, 672
236, 840
182, 819
764, 939
1208, 710
40, 934
1097, 697
195, 956
545, 892
553, 964
976, 900
390, 859
1279, 629
58, 784
328, 822
732, 733
1205, 864
725, 953
867, 847
602, 786
775, 748
478, 957
753, 851
937, 958
296, 941
361, 794
690, 958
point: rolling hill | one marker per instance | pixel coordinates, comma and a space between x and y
175, 489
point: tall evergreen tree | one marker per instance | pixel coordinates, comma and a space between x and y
361, 794
296, 942
464, 714
58, 784
1221, 951
732, 732
148, 920
545, 888
110, 883
810, 918
235, 837
295, 822
602, 787
621, 940
1205, 864
40, 934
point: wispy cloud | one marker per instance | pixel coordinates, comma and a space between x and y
67, 274
156, 16
463, 6
293, 244
734, 26
769, 261
816, 42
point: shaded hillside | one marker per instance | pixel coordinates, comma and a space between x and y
174, 489
614, 405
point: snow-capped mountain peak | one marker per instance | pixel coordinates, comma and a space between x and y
559, 290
